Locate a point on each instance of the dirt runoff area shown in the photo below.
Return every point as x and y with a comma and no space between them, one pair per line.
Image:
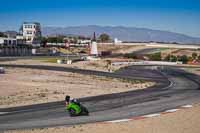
182,121
19,86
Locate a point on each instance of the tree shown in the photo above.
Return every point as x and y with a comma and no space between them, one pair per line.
104,37
58,39
184,59
43,41
167,58
190,58
156,57
130,55
81,37
194,55
52,39
173,58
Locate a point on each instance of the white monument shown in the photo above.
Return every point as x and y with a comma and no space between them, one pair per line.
93,47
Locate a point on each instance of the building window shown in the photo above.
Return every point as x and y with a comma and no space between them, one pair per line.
29,32
28,26
29,38
9,42
5,42
14,42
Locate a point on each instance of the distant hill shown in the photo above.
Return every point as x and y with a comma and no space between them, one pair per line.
123,33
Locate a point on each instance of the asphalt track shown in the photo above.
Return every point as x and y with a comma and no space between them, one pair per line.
174,88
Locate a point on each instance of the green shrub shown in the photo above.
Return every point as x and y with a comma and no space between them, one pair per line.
156,57
173,58
194,55
198,57
184,59
130,55
167,58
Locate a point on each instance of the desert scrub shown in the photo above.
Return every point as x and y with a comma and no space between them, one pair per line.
132,81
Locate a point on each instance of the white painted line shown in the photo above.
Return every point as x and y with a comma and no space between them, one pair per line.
187,106
1,113
172,110
151,115
117,121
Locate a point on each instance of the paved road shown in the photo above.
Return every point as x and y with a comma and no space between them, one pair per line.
174,88
138,75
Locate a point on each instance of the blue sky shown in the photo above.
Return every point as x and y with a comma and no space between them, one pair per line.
182,16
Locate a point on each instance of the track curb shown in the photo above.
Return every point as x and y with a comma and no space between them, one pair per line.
150,115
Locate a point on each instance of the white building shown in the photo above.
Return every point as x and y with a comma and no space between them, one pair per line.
31,32
82,41
6,41
116,41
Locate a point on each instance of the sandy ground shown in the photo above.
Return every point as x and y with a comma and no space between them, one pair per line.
116,49
27,86
121,49
183,121
168,51
185,52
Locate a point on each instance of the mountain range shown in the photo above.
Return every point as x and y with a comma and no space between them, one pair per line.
130,34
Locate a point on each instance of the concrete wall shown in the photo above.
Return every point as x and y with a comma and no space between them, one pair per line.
15,51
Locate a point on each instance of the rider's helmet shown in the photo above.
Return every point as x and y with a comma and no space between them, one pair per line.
67,98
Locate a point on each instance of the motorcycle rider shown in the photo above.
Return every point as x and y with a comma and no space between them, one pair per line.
74,107
67,101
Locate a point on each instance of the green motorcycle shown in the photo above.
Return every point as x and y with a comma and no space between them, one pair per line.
75,108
